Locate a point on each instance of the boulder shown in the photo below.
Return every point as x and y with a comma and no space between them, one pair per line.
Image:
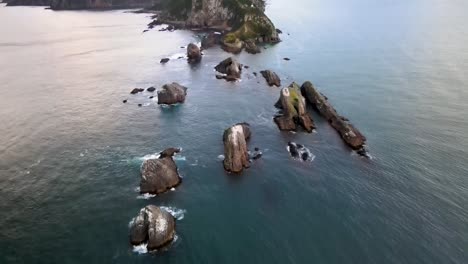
172,94
153,226
193,53
230,67
294,112
151,89
251,47
165,60
236,156
137,90
351,135
159,175
286,59
299,152
271,78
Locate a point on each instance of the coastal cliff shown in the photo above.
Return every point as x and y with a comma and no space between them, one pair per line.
245,20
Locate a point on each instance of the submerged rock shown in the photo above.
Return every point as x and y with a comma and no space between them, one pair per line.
231,68
298,151
351,135
137,90
193,53
160,175
271,78
151,89
236,156
165,60
172,94
294,112
153,226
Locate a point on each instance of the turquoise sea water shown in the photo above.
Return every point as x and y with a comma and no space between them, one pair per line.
70,151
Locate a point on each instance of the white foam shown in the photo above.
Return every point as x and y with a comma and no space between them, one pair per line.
146,196
137,189
301,151
221,157
179,214
151,156
179,158
141,249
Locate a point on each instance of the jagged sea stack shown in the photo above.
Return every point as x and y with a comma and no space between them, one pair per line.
172,93
236,156
293,110
160,175
351,135
153,226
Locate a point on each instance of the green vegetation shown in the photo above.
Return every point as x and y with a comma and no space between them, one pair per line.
177,8
230,38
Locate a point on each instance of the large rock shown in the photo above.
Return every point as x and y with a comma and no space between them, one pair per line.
351,135
173,93
231,68
153,226
236,156
294,112
271,78
193,53
159,175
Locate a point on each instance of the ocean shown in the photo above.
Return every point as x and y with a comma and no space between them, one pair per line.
71,151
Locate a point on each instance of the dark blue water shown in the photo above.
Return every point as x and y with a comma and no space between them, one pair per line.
70,151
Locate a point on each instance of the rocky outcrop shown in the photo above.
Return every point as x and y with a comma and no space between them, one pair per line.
351,135
293,112
271,78
159,175
245,18
251,47
173,93
153,226
231,69
234,47
236,156
193,53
